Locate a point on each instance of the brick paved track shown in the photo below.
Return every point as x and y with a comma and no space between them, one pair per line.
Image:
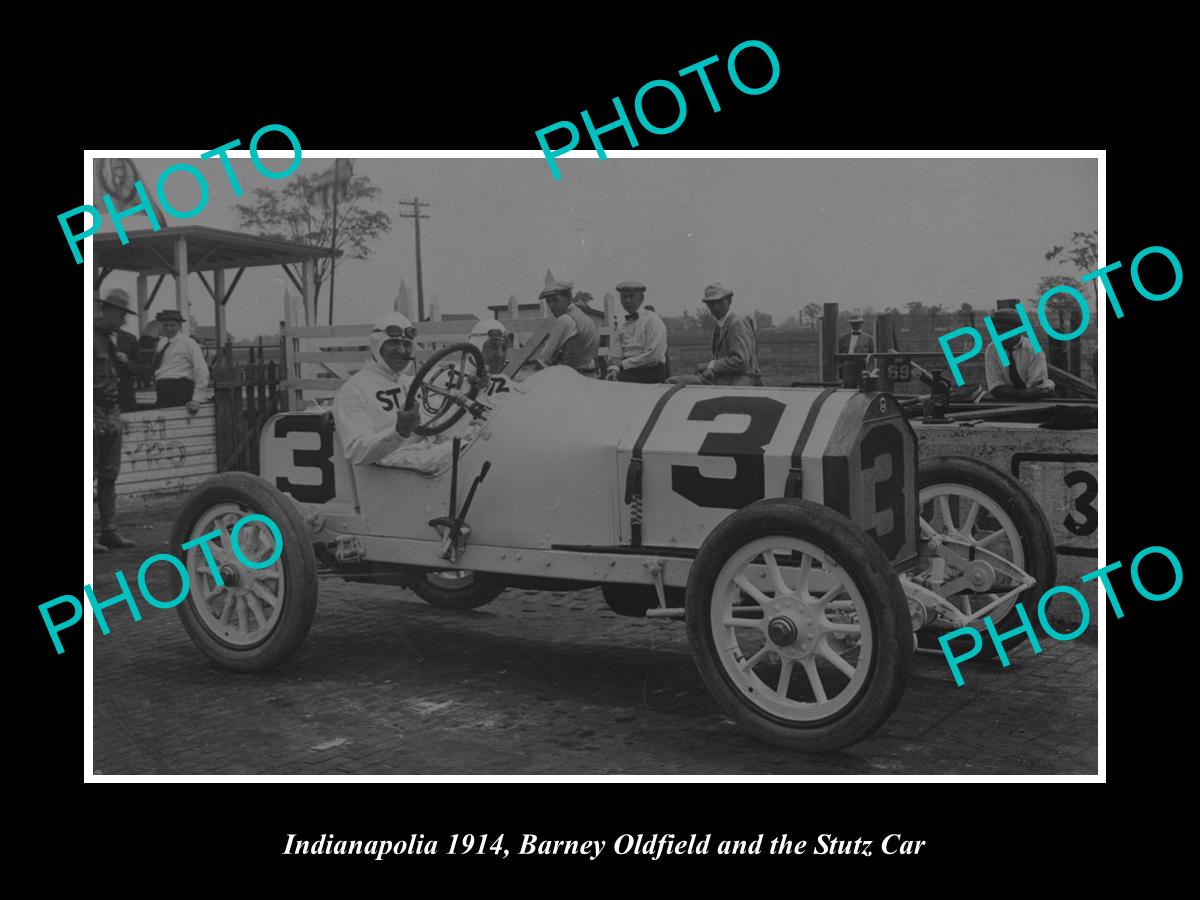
533,683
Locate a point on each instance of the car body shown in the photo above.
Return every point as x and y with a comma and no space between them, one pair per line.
789,527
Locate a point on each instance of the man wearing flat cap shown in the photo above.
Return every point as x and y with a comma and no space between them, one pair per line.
1026,377
575,341
734,345
641,339
854,341
180,372
106,417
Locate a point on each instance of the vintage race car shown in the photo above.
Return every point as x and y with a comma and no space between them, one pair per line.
789,527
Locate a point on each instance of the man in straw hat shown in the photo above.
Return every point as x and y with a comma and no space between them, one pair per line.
734,345
106,416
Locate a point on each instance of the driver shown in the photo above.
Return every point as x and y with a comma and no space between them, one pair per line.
369,411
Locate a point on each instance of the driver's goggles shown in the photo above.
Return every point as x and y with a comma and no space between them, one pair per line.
495,334
398,331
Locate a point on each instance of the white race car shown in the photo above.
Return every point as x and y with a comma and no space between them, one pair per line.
789,527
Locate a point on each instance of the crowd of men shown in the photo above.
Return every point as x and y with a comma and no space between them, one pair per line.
641,340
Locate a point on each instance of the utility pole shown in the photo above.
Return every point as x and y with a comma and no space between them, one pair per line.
416,215
333,243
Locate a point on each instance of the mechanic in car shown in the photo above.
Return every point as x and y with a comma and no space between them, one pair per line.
369,411
493,340
734,345
575,341
1026,377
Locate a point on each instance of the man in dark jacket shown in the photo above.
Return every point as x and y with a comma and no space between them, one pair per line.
106,418
734,345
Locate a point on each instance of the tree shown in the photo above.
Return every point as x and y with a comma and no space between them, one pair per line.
285,213
915,307
762,320
812,313
966,308
1081,255
935,310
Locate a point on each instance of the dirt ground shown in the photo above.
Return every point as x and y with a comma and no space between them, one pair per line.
533,683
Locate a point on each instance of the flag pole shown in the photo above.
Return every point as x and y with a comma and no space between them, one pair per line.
333,242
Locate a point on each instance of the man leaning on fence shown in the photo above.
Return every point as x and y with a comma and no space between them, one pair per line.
1026,377
106,417
180,372
734,345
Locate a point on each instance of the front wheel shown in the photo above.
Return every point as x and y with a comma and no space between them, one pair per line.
459,590
977,505
798,625
260,612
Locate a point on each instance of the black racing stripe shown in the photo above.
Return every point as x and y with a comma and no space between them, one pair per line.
810,422
633,476
653,419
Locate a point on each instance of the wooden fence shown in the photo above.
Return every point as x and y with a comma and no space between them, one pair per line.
244,396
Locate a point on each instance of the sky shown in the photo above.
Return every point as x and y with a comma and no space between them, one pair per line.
779,233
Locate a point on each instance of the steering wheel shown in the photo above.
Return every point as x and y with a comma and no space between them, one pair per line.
444,390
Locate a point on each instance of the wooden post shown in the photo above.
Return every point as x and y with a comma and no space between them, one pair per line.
142,295
883,344
306,286
1075,348
219,308
829,325
512,306
181,283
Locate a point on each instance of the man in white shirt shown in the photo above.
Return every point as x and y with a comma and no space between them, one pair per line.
1025,377
180,372
641,340
369,411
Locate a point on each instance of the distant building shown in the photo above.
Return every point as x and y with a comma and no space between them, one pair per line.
524,311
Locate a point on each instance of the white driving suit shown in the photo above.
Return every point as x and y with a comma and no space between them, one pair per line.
364,413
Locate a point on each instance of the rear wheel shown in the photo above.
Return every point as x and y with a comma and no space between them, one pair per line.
798,625
458,589
259,614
